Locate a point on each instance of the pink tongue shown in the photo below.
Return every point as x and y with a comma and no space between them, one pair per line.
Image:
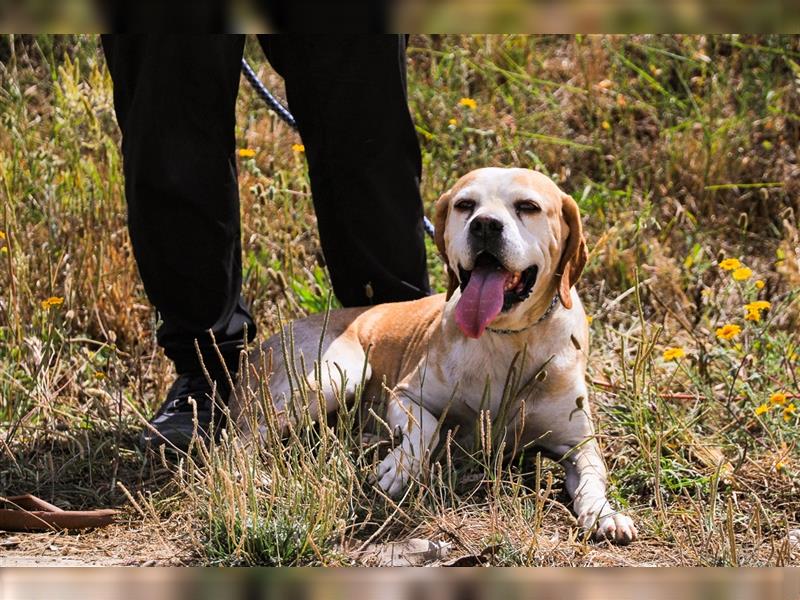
481,301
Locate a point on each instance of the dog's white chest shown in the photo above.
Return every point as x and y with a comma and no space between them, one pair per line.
473,377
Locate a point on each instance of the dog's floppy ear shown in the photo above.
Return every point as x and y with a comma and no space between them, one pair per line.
574,256
440,212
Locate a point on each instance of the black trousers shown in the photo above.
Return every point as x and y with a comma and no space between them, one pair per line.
175,98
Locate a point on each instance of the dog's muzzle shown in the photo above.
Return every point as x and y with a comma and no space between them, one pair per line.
489,289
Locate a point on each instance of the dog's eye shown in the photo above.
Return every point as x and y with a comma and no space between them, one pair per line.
526,207
465,204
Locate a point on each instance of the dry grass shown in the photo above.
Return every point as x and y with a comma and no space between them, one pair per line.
681,151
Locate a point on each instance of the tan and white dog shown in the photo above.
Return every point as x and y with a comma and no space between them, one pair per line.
514,247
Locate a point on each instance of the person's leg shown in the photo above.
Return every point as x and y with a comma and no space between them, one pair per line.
175,99
348,94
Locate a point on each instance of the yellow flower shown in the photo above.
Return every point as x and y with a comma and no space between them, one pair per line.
589,319
246,153
2,235
298,148
760,284
729,264
780,466
48,303
742,273
468,103
728,331
789,411
761,409
606,125
4,249
777,398
754,309
99,375
758,305
673,353
453,121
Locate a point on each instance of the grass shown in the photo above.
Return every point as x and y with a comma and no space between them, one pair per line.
681,152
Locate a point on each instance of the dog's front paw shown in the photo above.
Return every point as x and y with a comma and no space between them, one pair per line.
618,528
612,526
395,470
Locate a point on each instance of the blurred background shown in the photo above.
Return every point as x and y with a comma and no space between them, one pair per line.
539,584
442,16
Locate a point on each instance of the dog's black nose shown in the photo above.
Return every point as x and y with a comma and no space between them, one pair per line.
486,228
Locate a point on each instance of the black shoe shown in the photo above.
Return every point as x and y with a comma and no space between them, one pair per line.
173,423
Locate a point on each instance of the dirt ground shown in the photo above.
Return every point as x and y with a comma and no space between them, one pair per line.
135,544
118,545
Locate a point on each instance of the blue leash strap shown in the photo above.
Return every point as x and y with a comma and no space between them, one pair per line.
267,96
426,223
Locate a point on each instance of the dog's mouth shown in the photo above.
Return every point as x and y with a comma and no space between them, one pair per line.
489,289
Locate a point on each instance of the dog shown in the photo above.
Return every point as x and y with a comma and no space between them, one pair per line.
513,246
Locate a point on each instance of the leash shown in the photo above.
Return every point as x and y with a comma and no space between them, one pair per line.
287,117
270,100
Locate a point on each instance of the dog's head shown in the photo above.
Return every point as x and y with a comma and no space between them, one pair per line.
511,240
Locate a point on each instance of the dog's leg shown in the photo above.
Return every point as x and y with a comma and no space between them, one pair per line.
574,440
420,431
343,364
335,379
586,485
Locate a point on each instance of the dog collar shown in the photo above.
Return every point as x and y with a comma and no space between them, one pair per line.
546,314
